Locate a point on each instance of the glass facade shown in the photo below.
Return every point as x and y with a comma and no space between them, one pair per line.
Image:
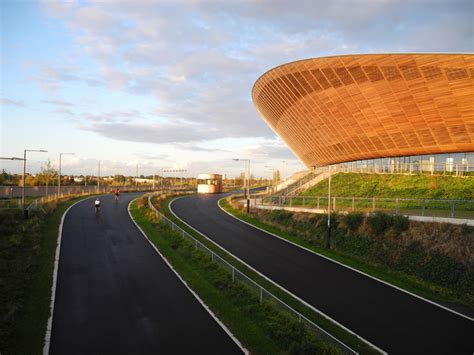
459,164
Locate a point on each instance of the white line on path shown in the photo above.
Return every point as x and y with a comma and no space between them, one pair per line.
49,327
349,267
278,285
229,333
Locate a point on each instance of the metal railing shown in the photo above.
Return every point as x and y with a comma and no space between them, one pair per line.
406,206
395,166
263,294
298,184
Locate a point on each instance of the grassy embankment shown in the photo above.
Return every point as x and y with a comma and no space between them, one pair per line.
27,250
256,345
419,257
380,186
395,186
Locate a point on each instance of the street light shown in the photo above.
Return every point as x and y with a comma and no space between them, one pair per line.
10,158
25,211
273,173
59,175
175,171
328,236
247,161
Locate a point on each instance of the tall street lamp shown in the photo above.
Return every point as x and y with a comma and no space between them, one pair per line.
59,175
11,158
25,211
98,176
247,167
328,236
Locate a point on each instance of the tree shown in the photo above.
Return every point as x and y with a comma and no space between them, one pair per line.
48,173
119,178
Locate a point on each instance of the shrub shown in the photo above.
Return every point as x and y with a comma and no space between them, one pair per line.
379,222
353,220
400,223
282,217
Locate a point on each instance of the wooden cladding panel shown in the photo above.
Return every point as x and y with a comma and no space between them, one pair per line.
346,108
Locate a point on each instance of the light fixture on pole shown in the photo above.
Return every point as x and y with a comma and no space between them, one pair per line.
273,173
59,175
328,236
25,211
247,167
174,171
11,158
98,177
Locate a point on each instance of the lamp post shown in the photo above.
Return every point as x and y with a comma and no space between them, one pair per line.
11,158
25,211
328,236
247,167
98,176
59,175
174,171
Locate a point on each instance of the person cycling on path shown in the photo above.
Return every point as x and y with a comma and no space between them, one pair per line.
97,205
117,193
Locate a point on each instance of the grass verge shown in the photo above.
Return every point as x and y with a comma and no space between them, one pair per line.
261,328
349,339
409,283
27,251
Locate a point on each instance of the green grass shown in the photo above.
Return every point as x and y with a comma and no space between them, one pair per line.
321,321
27,251
395,186
261,328
410,283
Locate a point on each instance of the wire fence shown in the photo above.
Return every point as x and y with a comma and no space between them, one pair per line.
404,206
263,294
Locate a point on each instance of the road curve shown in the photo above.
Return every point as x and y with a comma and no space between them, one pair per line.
116,295
391,319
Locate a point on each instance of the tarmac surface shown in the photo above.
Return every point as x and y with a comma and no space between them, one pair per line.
393,320
116,295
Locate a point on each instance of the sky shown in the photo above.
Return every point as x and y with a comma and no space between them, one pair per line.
167,84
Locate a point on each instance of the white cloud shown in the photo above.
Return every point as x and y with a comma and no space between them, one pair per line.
196,61
5,101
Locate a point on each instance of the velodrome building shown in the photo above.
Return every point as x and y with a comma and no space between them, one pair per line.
389,112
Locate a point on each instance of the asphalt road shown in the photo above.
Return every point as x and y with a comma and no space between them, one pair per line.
391,319
116,295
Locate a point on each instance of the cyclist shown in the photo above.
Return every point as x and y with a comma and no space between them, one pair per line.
117,193
97,205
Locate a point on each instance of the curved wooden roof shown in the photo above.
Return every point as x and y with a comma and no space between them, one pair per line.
346,108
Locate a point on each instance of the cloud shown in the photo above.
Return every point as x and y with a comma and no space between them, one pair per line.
114,116
269,150
64,112
5,101
197,148
198,60
158,133
57,102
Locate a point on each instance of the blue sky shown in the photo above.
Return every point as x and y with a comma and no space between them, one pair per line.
167,84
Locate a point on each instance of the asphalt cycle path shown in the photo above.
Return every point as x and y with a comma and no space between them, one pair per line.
393,320
116,295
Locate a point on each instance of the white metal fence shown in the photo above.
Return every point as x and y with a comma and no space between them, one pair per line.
263,294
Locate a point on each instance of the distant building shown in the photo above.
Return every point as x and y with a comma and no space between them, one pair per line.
209,183
144,180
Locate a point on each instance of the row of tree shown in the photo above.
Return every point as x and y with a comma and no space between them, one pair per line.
48,175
